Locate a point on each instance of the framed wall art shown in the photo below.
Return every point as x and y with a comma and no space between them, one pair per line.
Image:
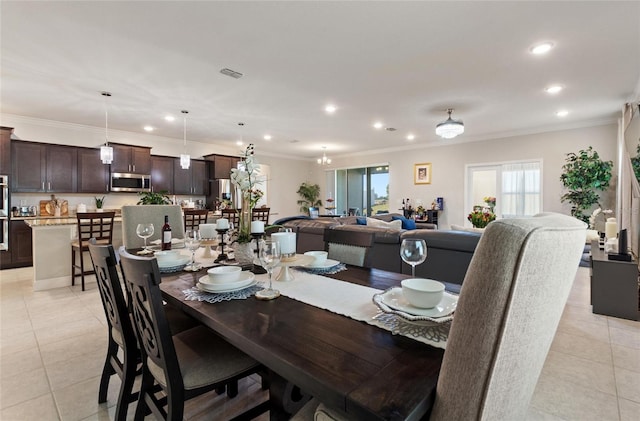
422,173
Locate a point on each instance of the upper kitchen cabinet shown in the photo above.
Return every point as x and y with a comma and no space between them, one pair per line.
93,175
41,167
222,165
5,150
131,159
162,174
194,180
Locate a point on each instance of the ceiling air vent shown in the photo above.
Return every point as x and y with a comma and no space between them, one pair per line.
390,129
232,73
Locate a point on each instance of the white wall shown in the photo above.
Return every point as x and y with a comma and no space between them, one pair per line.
448,167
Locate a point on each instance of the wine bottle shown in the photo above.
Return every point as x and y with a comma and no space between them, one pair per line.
166,234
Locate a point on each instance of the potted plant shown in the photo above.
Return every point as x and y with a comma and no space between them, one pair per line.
154,198
583,175
99,203
309,196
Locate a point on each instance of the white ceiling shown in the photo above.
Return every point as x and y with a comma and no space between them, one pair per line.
402,63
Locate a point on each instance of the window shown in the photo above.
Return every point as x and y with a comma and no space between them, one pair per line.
360,191
517,187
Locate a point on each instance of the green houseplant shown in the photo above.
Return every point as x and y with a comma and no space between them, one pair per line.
154,198
635,162
584,174
99,202
309,196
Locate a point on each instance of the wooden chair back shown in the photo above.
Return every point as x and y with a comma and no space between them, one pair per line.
194,217
232,215
98,225
260,214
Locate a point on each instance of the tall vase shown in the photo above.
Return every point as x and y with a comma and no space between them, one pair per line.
244,222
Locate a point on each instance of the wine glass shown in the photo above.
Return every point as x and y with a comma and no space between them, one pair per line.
145,231
413,251
269,258
192,242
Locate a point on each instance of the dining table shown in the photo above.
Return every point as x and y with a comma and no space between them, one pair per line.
357,367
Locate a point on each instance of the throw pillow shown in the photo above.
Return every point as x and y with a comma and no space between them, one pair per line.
461,228
393,225
407,224
361,220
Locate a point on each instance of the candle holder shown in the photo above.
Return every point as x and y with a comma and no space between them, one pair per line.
222,256
257,269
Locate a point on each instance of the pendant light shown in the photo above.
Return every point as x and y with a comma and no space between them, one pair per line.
450,128
106,151
324,160
185,159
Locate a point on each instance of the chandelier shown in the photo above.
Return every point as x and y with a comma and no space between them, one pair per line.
324,160
106,151
185,159
450,128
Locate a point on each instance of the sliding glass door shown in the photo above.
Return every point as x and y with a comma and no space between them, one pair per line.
360,191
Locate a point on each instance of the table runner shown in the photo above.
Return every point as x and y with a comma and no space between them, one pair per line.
356,302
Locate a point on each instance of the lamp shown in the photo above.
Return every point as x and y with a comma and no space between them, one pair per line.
185,159
324,160
450,128
106,151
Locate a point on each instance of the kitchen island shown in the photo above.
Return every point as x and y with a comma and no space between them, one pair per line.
52,250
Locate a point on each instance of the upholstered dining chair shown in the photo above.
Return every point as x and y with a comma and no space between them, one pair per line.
98,225
194,217
184,366
260,214
132,215
510,305
349,247
232,215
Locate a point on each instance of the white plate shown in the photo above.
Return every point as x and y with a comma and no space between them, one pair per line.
203,287
246,279
329,263
182,260
395,300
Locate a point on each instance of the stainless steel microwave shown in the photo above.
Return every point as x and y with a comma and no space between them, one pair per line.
126,182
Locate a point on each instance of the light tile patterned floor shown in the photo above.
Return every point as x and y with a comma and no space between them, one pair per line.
52,346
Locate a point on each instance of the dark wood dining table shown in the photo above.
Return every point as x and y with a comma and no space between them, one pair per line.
364,370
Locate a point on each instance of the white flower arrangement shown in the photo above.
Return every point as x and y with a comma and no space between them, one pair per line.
247,178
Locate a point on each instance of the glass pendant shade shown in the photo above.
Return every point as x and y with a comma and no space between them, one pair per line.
185,161
450,128
106,154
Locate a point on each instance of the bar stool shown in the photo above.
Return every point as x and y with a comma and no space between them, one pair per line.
194,217
98,225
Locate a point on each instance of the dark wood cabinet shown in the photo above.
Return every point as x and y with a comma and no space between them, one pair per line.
5,150
93,175
41,167
194,180
222,166
131,159
20,252
162,174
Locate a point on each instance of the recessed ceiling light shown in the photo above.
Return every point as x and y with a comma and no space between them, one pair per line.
148,128
239,142
169,118
410,136
553,89
562,113
267,137
330,109
378,125
542,48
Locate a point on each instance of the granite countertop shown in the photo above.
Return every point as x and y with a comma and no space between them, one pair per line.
39,221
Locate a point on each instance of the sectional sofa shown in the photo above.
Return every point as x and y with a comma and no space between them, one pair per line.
448,252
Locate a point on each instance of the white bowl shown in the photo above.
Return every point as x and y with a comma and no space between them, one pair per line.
422,293
224,274
319,257
164,256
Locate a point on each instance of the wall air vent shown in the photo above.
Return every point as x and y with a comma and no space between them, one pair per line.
232,73
390,129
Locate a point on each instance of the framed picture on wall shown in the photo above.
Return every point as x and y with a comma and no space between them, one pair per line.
422,173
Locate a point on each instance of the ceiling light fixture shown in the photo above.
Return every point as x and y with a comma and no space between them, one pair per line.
410,136
450,128
562,113
378,125
553,89
542,48
148,128
106,151
330,109
240,142
169,118
324,160
185,159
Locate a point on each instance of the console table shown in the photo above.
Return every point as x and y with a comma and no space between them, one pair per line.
614,285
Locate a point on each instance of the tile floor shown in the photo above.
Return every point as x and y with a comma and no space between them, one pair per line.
52,346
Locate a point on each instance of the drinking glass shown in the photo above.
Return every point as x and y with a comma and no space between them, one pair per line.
269,258
413,251
192,242
145,231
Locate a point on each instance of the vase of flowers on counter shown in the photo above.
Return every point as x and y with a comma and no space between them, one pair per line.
99,203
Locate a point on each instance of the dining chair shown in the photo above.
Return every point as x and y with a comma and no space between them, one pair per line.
261,214
232,215
349,247
184,366
98,225
509,308
194,217
132,215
